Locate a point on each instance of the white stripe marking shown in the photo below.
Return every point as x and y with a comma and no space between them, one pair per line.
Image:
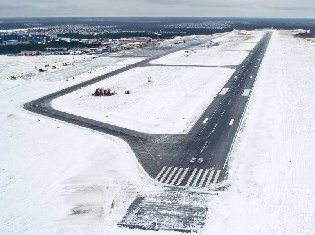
231,122
191,177
165,174
176,176
171,175
203,148
205,121
182,177
210,177
197,177
246,92
224,91
160,173
216,176
204,177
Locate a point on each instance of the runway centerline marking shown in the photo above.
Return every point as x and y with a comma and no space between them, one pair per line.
231,122
205,121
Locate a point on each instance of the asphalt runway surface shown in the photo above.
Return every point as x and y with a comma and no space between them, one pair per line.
198,159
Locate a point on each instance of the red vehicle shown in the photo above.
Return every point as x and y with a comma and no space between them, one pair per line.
104,92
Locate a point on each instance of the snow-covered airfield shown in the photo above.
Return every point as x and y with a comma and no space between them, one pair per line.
50,170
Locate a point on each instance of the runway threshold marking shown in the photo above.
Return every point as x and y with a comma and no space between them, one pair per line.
216,177
160,173
203,148
165,174
204,177
209,178
171,175
197,178
191,177
246,92
182,177
177,175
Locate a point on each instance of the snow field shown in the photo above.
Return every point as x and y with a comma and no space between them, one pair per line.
51,170
45,163
175,98
272,170
232,50
76,67
170,103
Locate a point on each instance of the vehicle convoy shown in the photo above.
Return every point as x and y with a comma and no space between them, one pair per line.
104,92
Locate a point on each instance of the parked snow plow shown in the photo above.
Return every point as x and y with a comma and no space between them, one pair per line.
104,92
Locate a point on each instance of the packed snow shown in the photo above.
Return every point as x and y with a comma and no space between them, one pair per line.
43,162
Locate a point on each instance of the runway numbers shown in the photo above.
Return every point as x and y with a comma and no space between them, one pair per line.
198,160
190,177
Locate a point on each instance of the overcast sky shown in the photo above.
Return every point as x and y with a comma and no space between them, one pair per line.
207,8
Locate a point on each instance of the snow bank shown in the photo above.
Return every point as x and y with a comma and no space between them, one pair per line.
272,171
50,170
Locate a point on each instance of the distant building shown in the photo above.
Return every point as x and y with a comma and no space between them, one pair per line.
57,51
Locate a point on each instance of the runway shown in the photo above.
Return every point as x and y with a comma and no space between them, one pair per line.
197,160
